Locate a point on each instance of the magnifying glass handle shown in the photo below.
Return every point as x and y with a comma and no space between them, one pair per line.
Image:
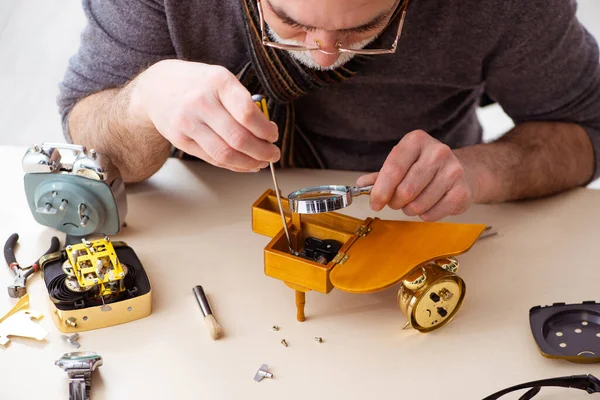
358,190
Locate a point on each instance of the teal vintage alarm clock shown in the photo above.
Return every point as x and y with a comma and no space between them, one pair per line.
74,190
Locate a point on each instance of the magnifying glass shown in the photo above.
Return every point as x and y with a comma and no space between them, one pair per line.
325,198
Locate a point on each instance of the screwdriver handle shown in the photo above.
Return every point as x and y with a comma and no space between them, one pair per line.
261,102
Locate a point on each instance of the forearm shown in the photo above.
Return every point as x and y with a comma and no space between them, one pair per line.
104,121
532,160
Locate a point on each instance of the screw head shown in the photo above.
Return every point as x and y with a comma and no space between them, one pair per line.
275,328
262,373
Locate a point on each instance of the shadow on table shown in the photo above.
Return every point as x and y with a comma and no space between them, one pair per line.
344,304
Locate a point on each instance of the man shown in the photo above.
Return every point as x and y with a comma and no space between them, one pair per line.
151,75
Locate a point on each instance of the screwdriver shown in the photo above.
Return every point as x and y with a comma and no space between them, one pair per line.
261,102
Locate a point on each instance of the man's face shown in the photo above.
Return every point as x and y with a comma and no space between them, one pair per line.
353,23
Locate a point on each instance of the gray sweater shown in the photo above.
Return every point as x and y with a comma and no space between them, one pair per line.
533,57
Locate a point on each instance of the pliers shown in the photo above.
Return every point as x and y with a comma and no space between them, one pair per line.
18,289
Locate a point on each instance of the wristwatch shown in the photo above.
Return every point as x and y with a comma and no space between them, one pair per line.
79,365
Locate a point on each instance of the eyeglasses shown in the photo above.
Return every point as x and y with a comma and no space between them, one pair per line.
340,49
589,383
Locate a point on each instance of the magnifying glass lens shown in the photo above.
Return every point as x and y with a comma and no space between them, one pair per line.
318,195
318,199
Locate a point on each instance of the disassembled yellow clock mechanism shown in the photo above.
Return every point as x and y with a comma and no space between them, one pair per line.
94,266
95,284
329,250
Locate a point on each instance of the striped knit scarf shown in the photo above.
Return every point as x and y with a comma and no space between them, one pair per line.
282,80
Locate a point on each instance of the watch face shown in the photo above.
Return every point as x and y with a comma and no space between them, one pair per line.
79,360
81,356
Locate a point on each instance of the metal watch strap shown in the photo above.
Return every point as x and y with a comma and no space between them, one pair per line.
80,383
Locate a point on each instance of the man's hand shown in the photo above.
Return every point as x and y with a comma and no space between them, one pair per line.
205,111
422,177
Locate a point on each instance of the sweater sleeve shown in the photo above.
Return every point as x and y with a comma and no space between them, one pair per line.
120,40
545,67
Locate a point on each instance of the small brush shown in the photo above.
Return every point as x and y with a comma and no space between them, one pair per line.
215,330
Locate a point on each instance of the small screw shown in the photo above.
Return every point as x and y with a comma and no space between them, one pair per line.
71,321
283,342
275,328
72,340
262,373
318,339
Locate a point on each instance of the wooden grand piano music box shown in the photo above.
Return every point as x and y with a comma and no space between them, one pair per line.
334,250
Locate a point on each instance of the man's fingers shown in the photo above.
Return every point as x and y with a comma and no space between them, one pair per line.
395,167
240,138
436,171
236,99
450,178
455,201
429,197
419,176
192,148
422,177
367,180
221,154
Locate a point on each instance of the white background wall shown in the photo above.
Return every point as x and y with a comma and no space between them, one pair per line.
37,37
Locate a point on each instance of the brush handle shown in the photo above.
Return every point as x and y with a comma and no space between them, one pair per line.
202,300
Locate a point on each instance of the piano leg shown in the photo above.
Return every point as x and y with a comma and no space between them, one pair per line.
300,301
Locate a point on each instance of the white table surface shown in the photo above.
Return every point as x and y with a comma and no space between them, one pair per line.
190,224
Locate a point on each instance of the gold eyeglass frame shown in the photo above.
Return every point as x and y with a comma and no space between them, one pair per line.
281,46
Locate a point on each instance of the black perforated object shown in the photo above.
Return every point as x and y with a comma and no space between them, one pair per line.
567,331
